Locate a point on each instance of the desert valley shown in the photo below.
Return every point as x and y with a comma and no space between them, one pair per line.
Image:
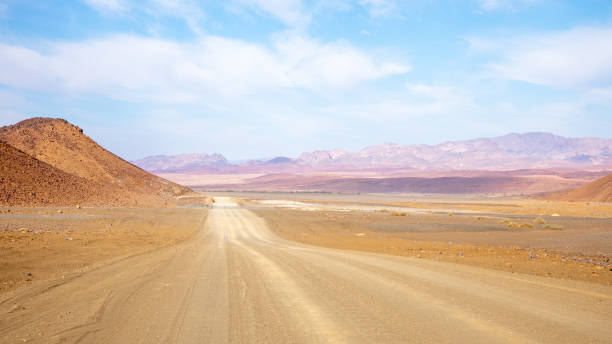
90,241
305,171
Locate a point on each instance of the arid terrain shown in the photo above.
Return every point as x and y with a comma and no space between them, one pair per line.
235,280
599,190
523,236
305,171
40,244
518,183
47,161
94,249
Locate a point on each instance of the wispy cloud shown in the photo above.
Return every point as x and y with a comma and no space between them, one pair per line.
291,12
134,67
580,57
187,10
379,8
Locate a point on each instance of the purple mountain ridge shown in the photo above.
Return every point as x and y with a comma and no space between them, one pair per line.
512,151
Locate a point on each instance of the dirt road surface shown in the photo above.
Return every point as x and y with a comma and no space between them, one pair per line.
236,282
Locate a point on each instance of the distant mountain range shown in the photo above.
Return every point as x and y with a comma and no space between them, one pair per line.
509,152
180,162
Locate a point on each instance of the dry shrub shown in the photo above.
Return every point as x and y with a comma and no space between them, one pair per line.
509,223
526,225
539,221
553,227
395,213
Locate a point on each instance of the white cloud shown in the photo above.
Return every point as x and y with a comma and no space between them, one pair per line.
379,8
187,10
581,57
137,68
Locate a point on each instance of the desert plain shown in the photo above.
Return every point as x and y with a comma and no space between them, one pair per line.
309,267
94,249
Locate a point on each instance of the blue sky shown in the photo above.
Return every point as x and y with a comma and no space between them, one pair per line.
261,78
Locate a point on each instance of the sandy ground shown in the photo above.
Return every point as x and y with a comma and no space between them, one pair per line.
38,244
427,203
555,239
235,281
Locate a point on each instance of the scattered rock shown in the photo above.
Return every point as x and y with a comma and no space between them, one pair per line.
69,239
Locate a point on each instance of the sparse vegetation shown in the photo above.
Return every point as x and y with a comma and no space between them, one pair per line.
512,224
553,227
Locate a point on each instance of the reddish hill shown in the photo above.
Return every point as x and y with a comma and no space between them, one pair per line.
597,191
26,181
63,146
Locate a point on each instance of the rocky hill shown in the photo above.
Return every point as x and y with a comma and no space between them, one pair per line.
599,190
78,160
26,181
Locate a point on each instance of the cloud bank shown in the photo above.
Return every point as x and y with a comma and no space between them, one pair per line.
135,68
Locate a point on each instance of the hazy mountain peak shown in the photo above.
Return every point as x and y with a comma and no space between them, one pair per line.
511,151
164,163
